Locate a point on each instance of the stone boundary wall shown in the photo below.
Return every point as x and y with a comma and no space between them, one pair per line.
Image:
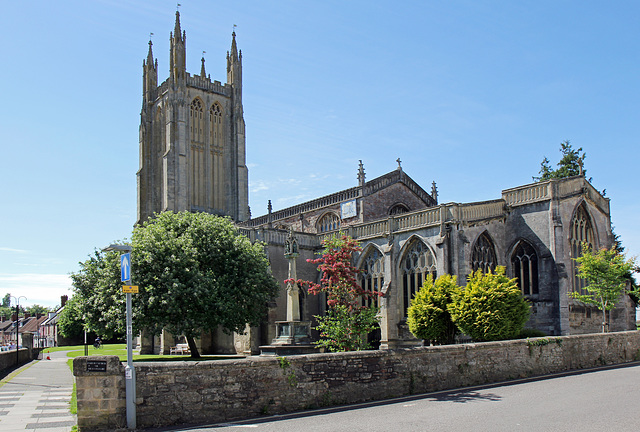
216,391
8,358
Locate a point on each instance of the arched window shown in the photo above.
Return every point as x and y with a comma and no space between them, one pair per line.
196,121
580,233
418,263
483,255
196,160
398,209
372,276
524,262
329,222
216,132
216,160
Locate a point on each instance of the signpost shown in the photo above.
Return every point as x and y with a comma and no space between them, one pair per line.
129,370
125,267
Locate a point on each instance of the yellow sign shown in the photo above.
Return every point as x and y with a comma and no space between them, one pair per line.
130,289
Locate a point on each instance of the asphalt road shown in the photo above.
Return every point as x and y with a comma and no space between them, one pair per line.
604,400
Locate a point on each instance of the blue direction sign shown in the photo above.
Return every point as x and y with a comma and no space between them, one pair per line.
125,267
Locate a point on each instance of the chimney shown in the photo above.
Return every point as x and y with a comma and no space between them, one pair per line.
27,315
63,300
14,317
2,319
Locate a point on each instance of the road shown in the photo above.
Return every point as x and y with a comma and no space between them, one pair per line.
604,400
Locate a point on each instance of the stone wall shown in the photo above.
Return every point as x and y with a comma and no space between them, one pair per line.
8,358
210,392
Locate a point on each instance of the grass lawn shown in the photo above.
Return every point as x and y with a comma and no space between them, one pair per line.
121,351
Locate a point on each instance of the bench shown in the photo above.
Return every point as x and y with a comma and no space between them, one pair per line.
180,349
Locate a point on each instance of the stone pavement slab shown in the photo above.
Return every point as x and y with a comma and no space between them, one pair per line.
36,397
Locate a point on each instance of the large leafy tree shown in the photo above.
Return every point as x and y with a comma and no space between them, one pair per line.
98,296
490,307
607,272
428,316
349,318
571,164
196,271
70,321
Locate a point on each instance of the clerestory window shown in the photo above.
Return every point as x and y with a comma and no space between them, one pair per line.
329,222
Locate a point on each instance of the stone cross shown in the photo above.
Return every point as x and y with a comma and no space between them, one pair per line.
293,290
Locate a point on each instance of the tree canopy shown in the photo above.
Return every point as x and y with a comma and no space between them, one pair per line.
571,164
606,272
195,272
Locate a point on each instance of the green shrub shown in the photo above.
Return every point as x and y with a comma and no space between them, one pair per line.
428,317
490,307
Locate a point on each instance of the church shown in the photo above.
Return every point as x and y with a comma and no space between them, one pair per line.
192,158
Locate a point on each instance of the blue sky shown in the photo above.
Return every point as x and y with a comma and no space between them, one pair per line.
470,94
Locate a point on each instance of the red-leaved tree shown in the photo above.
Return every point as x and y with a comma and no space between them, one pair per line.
348,319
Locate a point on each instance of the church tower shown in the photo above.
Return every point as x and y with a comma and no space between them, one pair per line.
192,138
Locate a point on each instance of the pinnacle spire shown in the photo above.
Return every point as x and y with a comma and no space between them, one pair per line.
234,47
150,54
176,31
202,72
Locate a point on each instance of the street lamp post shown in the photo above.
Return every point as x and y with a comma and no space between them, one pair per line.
129,370
17,299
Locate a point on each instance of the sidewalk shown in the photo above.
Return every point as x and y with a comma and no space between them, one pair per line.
36,397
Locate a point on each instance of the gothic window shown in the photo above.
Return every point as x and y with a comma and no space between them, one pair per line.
328,222
216,141
372,276
196,121
197,162
524,262
483,255
215,125
580,233
418,263
398,209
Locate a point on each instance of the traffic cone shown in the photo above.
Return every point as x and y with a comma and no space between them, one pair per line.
48,358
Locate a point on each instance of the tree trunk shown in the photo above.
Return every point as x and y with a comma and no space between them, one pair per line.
192,347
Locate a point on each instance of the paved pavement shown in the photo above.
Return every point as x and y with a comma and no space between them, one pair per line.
36,397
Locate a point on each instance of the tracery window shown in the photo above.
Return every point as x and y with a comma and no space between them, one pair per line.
196,160
418,263
215,125
483,255
329,222
524,262
196,121
580,233
215,154
398,209
372,276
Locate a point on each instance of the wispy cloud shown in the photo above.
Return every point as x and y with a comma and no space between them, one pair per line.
8,249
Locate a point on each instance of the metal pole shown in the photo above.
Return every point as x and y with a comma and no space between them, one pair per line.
17,329
130,372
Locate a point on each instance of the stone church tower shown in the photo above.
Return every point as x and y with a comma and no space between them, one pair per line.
192,138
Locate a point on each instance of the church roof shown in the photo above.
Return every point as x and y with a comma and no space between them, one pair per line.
370,187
